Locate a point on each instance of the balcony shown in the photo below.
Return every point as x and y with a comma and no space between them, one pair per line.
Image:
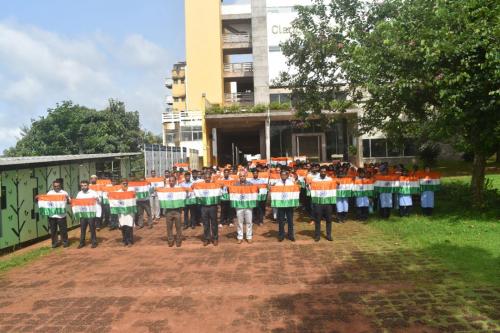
235,43
178,90
238,70
179,74
245,98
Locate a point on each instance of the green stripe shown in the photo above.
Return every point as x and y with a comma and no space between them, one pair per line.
225,196
366,193
207,201
51,211
409,190
344,193
142,195
262,197
244,204
285,203
386,189
105,201
172,204
124,210
429,188
85,215
191,201
324,200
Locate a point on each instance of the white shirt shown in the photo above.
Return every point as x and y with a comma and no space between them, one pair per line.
91,194
58,216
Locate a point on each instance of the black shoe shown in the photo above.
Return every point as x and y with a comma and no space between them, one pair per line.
280,239
292,239
192,227
94,245
80,246
329,238
170,244
185,227
125,244
205,242
178,244
316,239
66,245
55,245
140,226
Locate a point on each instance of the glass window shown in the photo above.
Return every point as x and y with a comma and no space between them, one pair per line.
274,98
379,148
410,148
366,148
393,150
285,98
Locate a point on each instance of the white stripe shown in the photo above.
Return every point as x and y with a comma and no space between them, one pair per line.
51,204
243,196
122,202
171,195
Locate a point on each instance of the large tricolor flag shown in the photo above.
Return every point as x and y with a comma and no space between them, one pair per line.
103,182
263,189
84,208
243,196
224,184
190,197
344,188
430,181
106,190
97,188
285,196
409,185
141,189
386,184
156,182
172,197
207,193
363,188
323,193
122,202
52,204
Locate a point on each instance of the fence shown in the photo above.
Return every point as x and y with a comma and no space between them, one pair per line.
161,158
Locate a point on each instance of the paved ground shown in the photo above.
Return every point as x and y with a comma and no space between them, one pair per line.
362,282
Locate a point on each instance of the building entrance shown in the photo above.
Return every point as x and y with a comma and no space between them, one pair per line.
232,145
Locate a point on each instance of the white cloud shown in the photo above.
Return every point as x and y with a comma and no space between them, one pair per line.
40,68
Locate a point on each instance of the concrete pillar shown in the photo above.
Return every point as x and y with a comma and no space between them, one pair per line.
268,140
262,141
259,52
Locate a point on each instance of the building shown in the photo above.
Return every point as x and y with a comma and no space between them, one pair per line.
233,59
21,178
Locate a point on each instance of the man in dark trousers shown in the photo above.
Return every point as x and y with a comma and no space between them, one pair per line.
91,222
173,217
59,220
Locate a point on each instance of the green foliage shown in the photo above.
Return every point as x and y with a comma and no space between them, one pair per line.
428,153
258,108
17,260
280,106
73,129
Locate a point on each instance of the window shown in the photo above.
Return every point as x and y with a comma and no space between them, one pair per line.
366,148
379,148
191,133
280,98
383,148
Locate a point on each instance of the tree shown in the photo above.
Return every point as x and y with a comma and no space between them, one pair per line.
420,68
75,129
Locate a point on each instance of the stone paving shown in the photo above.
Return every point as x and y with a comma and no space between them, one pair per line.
361,282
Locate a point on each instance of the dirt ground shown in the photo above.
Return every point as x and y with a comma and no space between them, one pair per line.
361,282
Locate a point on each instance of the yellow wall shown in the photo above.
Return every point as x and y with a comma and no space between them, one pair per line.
203,52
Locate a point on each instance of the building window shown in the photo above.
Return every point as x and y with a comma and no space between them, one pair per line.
379,147
280,98
191,133
383,148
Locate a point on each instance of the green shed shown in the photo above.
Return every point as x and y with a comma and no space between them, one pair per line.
21,178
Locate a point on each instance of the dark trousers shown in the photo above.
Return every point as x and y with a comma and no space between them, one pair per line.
288,214
209,219
128,235
60,223
385,213
173,217
259,212
404,211
362,213
143,205
427,211
226,212
321,211
190,216
197,215
91,223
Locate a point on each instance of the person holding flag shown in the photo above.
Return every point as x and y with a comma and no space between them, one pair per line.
190,207
85,209
261,180
385,186
362,190
100,222
408,186
154,203
322,197
172,200
53,205
208,196
344,190
226,211
285,197
429,183
124,204
142,192
243,197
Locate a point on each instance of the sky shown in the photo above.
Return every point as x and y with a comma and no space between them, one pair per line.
86,51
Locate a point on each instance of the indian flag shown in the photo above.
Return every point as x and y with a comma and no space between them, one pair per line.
409,185
172,197
430,182
363,188
207,193
225,183
285,196
52,204
122,202
262,192
96,188
243,196
103,182
190,197
344,188
386,184
141,189
106,190
156,182
84,208
323,193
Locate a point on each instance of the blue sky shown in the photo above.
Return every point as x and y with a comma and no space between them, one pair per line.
86,51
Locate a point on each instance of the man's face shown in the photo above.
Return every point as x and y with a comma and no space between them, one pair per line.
172,181
284,175
207,177
322,173
84,187
187,178
195,174
167,174
124,186
243,178
56,186
226,173
153,173
255,175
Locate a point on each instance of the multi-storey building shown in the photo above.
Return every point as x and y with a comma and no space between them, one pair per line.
233,59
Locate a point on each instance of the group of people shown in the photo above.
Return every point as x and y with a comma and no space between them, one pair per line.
216,197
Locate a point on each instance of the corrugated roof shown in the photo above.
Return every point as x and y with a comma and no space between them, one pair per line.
11,161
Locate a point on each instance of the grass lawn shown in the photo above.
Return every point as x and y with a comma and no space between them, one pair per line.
465,240
19,259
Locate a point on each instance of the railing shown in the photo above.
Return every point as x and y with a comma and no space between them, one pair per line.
171,116
239,67
231,38
239,98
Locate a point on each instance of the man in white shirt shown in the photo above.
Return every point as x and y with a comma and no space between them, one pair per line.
58,220
86,193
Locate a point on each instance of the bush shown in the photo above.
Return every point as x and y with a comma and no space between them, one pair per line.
259,108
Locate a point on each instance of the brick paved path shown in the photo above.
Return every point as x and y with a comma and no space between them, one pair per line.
362,282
